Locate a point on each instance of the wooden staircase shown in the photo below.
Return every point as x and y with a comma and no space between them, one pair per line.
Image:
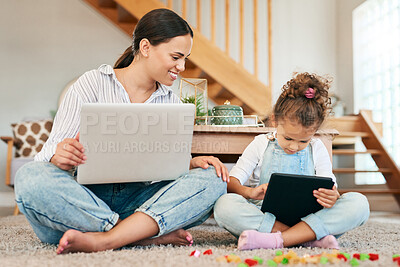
361,126
227,79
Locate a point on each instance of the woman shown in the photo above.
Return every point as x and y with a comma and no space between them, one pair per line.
101,217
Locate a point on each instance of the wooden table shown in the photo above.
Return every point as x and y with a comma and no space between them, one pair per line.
228,143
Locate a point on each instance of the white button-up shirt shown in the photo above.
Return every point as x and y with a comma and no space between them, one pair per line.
95,86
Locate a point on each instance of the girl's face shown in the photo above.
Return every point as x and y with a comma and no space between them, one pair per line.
166,60
292,136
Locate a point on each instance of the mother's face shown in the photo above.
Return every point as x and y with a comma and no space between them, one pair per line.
167,60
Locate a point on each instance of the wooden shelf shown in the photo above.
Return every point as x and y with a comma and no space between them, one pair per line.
353,152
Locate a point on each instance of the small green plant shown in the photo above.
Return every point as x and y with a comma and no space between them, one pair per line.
199,104
200,110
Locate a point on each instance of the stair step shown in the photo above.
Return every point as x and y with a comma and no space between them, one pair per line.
112,14
352,170
107,3
371,191
125,16
353,134
353,152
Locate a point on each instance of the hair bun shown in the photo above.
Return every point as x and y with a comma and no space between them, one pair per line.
305,97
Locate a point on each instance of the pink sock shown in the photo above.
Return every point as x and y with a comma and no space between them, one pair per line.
252,239
328,241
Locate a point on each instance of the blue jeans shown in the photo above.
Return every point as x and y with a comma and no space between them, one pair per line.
236,214
53,202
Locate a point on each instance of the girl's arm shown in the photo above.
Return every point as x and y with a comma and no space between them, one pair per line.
234,186
249,160
326,197
323,167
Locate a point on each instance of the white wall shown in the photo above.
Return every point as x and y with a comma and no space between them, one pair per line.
304,39
43,45
344,67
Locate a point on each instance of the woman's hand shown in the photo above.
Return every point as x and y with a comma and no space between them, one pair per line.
69,153
205,161
326,197
258,192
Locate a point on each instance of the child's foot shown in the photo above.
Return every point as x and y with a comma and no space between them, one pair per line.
75,241
252,239
178,237
328,241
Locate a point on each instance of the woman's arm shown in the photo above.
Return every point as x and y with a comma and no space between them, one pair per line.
205,161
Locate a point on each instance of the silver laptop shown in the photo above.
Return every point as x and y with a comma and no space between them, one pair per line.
135,142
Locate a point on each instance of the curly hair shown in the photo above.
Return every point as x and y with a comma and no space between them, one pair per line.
295,106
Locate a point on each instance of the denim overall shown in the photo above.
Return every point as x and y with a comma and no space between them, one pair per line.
236,214
277,160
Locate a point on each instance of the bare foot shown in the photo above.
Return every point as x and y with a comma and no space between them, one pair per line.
75,241
178,237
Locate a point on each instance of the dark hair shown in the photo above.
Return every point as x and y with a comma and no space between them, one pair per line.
295,106
158,26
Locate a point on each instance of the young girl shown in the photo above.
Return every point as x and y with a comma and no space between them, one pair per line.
297,115
100,217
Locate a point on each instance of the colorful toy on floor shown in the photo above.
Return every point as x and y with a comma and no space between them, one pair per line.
291,257
354,262
195,253
208,252
396,258
229,258
251,262
260,261
373,257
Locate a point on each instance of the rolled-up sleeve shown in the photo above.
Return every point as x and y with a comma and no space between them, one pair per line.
249,160
322,161
66,124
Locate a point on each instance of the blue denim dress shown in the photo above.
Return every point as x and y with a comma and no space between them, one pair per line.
237,214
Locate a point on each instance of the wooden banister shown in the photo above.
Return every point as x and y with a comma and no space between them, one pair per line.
227,27
211,61
241,31
255,34
198,14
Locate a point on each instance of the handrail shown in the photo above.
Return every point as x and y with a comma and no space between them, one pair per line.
255,41
241,31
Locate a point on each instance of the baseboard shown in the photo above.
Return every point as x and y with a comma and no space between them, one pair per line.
383,203
7,199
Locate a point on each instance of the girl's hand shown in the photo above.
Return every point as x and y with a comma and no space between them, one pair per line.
258,192
69,153
326,197
205,161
